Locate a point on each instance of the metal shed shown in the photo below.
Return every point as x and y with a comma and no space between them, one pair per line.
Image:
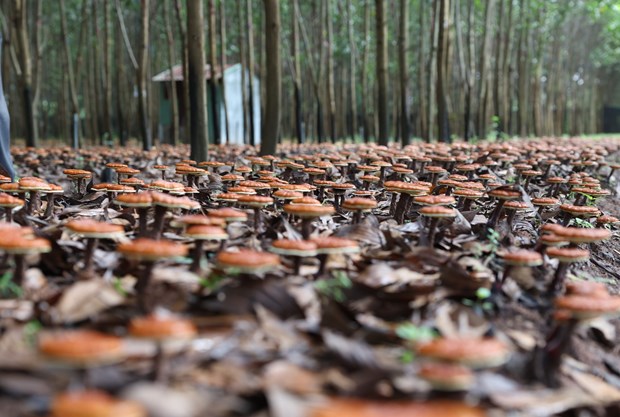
234,102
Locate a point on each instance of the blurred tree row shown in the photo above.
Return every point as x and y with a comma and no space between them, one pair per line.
329,69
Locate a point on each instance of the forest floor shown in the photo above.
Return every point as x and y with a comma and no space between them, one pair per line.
285,343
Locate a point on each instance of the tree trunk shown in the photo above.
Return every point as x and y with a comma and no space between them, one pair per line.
442,111
107,74
222,18
143,106
251,65
382,74
174,104
403,47
363,73
274,78
422,104
21,26
331,99
297,74
213,82
185,83
244,70
352,73
120,91
197,87
68,69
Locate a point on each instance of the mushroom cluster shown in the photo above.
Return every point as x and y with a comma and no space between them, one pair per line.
388,273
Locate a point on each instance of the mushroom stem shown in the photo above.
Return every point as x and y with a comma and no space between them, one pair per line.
20,269
142,220
496,213
197,255
142,285
357,217
91,245
499,283
158,224
467,204
306,228
8,211
401,208
159,363
32,203
49,210
566,218
322,257
510,219
431,231
558,279
393,203
547,361
296,264
257,221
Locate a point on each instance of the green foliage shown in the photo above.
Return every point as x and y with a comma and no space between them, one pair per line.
31,330
7,287
413,333
212,282
581,223
334,288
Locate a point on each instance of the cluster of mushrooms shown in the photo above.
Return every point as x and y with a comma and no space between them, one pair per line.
300,213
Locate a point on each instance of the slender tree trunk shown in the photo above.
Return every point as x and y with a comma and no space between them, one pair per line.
442,111
143,105
21,26
197,88
274,78
68,69
363,74
222,18
297,74
382,73
422,105
120,91
331,99
244,71
352,72
251,65
107,73
213,82
174,104
403,66
185,83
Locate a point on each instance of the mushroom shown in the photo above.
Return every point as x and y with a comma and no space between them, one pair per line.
247,262
33,186
502,195
359,205
92,231
80,349
571,211
78,176
51,199
447,377
19,245
473,352
307,213
255,202
93,404
162,204
435,213
332,245
149,251
139,201
517,259
582,302
513,207
10,203
200,234
162,169
161,329
565,256
297,249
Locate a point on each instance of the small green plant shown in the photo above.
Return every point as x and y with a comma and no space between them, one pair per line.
413,333
118,286
481,303
493,237
7,287
212,281
334,288
584,224
31,329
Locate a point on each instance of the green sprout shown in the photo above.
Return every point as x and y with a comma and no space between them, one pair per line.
413,333
8,288
334,288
